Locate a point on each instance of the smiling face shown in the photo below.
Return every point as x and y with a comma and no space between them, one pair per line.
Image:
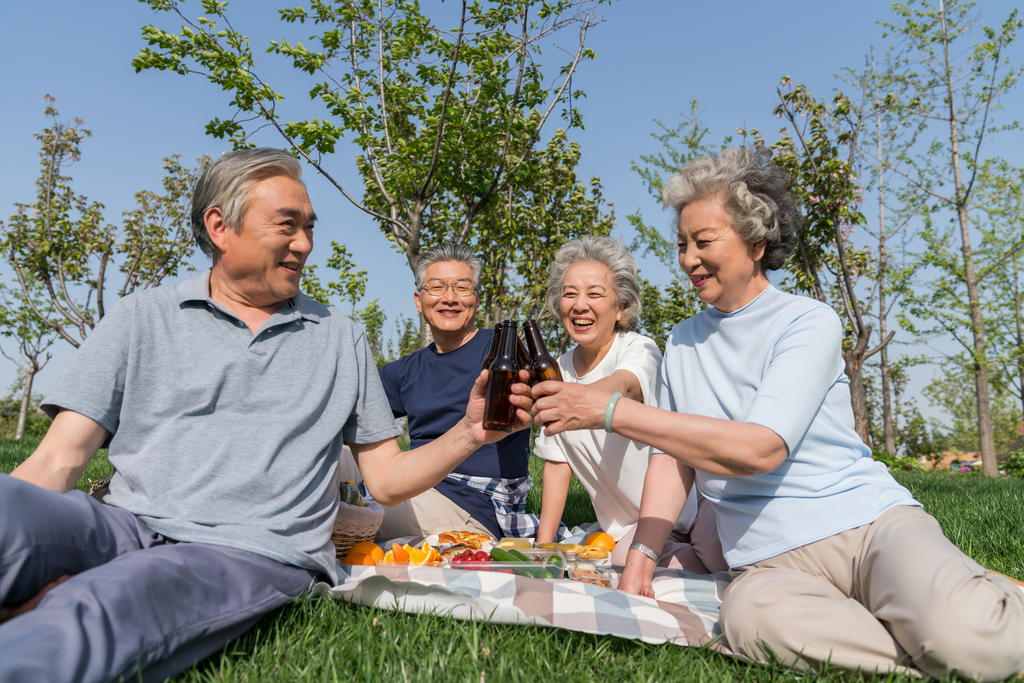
448,313
589,306
725,271
261,263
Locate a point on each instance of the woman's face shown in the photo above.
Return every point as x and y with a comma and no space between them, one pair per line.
589,306
725,272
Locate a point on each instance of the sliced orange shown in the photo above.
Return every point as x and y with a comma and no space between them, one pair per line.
601,540
422,556
389,557
401,553
359,558
368,548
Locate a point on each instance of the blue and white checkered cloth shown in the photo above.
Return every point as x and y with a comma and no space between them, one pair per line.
508,496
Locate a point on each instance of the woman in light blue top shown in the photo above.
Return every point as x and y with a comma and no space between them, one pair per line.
833,562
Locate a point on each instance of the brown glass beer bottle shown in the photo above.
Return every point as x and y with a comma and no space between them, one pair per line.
495,347
523,358
499,413
522,355
541,363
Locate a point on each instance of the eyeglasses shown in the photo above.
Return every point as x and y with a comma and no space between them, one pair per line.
462,288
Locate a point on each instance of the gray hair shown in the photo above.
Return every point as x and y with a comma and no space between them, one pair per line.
610,253
448,251
228,183
756,195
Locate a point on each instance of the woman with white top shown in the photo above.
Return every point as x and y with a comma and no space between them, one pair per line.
834,564
592,288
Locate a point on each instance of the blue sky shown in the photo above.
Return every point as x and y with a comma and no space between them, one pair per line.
653,58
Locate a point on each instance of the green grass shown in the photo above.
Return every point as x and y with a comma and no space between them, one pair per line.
319,640
13,452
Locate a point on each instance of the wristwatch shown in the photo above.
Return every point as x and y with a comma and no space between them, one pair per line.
646,550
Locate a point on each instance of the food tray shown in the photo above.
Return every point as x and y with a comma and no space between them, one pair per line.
539,568
588,572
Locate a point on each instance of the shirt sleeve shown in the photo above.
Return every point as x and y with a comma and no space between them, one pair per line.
547,448
391,379
805,364
640,356
666,401
371,418
92,384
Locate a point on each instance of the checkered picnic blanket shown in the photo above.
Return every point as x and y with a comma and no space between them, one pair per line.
685,611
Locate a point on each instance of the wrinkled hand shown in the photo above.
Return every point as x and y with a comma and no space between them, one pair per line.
520,398
566,406
636,581
9,612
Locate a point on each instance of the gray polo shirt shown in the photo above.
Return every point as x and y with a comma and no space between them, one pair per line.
221,436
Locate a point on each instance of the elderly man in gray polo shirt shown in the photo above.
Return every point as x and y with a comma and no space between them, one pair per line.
225,400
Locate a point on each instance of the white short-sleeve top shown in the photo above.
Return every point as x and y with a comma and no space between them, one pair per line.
612,467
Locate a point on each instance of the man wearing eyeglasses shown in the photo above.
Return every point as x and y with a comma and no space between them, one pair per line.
487,492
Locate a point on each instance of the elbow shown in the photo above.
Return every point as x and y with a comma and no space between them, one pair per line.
389,501
767,462
383,497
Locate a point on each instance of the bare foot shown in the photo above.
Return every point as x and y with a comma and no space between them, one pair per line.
9,611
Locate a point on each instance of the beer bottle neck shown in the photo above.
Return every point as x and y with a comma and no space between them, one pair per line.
508,340
533,340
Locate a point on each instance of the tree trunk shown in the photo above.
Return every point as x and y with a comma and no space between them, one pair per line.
1020,332
26,400
858,395
989,466
888,429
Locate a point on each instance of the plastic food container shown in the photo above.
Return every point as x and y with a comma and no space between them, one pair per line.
594,574
542,564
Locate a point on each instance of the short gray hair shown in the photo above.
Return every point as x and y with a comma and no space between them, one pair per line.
448,251
756,195
227,185
610,253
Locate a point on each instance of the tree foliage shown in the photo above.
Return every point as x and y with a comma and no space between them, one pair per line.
445,121
62,251
956,89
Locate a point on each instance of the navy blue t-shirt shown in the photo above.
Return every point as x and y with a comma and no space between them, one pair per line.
432,389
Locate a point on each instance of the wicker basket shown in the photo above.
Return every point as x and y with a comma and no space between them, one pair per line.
355,525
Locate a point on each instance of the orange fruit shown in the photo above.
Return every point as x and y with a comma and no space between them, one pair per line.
401,553
389,557
359,558
601,540
426,555
368,548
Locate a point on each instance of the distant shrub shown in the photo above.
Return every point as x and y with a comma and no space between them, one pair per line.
1014,464
897,462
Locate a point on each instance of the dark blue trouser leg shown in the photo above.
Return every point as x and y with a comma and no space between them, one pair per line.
153,606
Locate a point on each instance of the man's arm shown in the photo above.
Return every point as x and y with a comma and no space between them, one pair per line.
66,449
393,475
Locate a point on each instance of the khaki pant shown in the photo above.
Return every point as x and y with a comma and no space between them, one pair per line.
699,551
894,595
428,513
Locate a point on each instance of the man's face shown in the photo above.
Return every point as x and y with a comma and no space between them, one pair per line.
447,312
264,259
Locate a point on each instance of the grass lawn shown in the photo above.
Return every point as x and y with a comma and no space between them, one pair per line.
319,640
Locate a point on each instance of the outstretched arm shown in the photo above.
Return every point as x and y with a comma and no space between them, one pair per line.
66,449
393,475
557,477
666,486
725,448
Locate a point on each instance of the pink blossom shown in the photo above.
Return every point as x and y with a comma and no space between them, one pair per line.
814,199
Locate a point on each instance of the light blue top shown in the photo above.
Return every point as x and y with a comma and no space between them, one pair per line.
777,362
222,436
